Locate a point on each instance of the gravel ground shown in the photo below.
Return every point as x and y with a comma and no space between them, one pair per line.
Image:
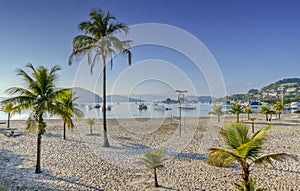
81,163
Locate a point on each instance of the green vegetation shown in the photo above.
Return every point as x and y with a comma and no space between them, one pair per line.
38,95
248,111
244,150
91,122
278,107
252,119
9,108
155,161
237,109
99,41
67,109
266,110
217,110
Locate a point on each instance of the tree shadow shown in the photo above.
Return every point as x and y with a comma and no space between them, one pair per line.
168,188
14,177
52,135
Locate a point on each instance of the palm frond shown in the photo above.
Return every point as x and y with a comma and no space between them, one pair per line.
267,159
221,157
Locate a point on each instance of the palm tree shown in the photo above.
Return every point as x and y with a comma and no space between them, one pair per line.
91,122
155,161
252,119
278,107
68,109
265,110
10,110
248,111
217,110
99,41
237,109
38,95
244,150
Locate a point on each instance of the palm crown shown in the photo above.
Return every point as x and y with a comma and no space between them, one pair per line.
217,110
242,149
237,109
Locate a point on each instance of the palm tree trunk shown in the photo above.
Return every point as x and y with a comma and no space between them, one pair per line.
64,130
252,126
8,120
41,130
38,160
245,176
267,117
106,143
219,118
248,116
91,130
238,117
279,115
155,178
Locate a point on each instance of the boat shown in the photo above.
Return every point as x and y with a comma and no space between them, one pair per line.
88,107
187,106
295,105
142,106
157,106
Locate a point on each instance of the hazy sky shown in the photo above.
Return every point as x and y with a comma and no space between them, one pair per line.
253,42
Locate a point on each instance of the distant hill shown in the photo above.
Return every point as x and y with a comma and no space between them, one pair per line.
202,99
288,82
287,90
86,96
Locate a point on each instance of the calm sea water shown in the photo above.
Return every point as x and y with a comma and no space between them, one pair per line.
130,110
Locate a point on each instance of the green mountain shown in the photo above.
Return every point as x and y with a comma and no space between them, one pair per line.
285,83
287,90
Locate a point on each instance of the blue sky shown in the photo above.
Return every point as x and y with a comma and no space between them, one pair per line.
254,42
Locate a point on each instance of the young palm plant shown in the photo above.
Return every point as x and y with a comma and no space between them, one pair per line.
237,109
10,110
155,161
99,41
248,111
278,107
244,150
217,110
265,110
68,109
91,122
39,96
252,119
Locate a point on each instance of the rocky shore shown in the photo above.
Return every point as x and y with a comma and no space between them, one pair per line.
81,163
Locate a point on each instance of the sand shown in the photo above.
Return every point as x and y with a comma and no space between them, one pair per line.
81,163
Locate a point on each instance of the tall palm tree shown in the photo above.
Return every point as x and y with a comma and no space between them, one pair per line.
155,161
278,107
244,150
217,110
237,109
248,111
10,110
265,110
68,109
39,96
99,41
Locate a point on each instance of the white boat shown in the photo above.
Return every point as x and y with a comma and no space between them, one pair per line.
295,105
187,106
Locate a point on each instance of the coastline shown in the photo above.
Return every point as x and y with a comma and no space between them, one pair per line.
80,163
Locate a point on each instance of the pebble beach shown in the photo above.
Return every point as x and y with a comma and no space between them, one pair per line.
81,163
